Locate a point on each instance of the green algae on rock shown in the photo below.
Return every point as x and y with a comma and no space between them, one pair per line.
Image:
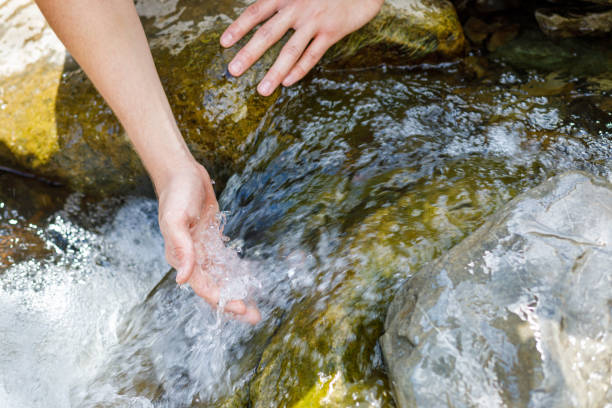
518,313
405,31
57,125
62,128
325,351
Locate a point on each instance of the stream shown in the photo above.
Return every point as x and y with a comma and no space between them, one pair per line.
354,179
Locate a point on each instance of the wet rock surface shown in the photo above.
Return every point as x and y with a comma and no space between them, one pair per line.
58,125
518,314
578,57
24,206
404,31
572,23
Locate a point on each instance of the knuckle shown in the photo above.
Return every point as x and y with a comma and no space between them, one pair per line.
253,10
292,51
264,32
312,57
273,75
234,30
171,220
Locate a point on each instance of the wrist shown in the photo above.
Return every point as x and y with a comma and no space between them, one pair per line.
170,167
163,153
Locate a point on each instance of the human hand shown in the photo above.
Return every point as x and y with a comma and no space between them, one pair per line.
187,210
324,22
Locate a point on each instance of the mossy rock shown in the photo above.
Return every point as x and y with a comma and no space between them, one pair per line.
325,353
57,125
405,31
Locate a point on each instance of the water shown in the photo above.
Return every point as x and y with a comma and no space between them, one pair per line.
354,180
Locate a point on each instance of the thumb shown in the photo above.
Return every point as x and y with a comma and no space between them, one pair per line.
180,252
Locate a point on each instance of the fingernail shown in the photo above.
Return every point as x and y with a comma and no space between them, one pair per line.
226,39
265,87
236,67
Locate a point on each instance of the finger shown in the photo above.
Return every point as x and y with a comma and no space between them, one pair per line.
266,36
252,15
251,316
235,306
180,251
209,291
287,58
309,59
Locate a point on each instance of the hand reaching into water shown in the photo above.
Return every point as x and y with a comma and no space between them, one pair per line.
107,40
187,217
318,24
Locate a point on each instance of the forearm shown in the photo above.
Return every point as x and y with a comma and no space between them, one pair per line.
107,40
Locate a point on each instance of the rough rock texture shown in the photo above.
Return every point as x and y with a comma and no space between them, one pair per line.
55,122
560,24
518,314
404,31
325,351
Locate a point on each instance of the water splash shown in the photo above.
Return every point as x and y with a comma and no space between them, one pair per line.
221,267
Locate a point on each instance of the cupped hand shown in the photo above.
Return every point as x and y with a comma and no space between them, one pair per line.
318,24
187,204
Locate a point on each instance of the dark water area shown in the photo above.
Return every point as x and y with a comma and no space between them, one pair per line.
354,180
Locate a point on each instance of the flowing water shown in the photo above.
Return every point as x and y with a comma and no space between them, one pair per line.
355,179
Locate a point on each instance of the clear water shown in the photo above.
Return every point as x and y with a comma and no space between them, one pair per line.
355,179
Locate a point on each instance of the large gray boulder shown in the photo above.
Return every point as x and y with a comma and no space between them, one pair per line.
519,314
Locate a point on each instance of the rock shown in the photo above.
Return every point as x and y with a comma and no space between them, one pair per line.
476,30
518,314
405,31
493,6
325,352
580,57
502,36
56,124
501,30
25,206
565,24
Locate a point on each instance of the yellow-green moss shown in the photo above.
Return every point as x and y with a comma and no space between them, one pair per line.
27,114
407,30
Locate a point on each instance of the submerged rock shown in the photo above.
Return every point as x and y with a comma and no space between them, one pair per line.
325,352
518,314
580,57
565,24
25,205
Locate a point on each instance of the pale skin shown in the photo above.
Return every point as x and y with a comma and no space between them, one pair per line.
107,40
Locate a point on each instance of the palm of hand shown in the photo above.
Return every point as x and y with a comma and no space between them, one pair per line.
187,210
